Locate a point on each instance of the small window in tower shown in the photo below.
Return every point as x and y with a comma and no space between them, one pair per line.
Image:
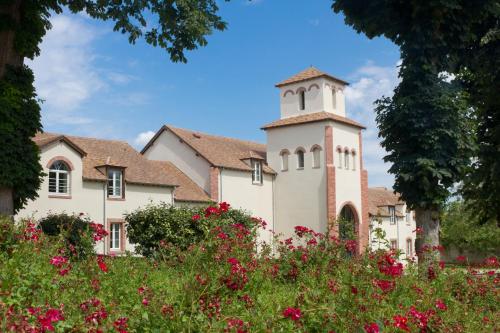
316,152
302,100
334,99
300,159
284,160
346,160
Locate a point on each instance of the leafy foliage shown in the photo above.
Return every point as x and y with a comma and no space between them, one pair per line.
222,285
20,120
455,36
462,229
163,227
74,229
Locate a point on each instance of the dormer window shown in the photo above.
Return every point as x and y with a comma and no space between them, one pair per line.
302,100
256,172
392,214
115,184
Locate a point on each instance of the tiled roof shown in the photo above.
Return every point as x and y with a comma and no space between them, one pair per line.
188,190
379,198
311,118
308,74
219,151
98,152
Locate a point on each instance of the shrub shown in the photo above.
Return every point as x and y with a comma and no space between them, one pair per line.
171,228
9,234
74,229
462,229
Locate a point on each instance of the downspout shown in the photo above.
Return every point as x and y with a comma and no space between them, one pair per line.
104,215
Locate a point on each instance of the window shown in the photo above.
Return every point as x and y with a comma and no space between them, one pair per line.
394,244
115,183
302,100
284,160
409,247
353,160
300,159
408,217
316,152
392,214
346,160
115,233
257,172
340,158
334,99
59,173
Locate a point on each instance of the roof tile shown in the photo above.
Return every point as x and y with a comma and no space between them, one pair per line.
379,198
310,118
309,74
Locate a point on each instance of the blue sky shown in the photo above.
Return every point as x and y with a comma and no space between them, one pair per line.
94,83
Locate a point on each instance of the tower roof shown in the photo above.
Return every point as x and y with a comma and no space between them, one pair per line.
309,74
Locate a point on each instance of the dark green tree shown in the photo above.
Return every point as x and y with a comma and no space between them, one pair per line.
174,25
454,36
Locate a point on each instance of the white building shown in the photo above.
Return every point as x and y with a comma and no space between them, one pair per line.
309,173
389,214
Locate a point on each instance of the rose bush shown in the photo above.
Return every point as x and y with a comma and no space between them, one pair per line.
309,283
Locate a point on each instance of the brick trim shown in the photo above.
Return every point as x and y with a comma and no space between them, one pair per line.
331,212
365,225
214,183
60,158
122,235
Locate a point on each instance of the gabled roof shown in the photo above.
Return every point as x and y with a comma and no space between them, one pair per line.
311,118
309,74
99,153
188,190
219,151
44,140
379,198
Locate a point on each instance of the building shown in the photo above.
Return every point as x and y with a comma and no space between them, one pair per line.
389,214
310,171
104,179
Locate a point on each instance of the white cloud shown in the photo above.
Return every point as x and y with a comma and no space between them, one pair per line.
143,138
369,83
65,76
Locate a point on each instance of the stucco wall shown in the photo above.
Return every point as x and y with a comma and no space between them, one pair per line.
236,188
318,97
300,195
88,197
168,147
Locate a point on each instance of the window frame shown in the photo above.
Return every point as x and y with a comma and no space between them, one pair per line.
346,159
256,171
316,156
392,242
57,180
284,155
300,152
334,99
392,214
113,187
111,236
302,100
409,247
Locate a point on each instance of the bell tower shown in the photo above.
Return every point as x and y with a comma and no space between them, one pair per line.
311,91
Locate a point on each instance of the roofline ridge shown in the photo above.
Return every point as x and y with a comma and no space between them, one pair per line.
216,136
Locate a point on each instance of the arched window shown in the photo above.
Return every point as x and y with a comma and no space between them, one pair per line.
353,153
302,100
284,159
59,180
339,151
346,159
334,99
316,154
300,158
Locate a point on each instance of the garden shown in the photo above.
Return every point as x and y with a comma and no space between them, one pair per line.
208,277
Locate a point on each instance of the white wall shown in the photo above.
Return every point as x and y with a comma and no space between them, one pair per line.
168,147
400,231
88,197
316,100
300,195
236,188
347,181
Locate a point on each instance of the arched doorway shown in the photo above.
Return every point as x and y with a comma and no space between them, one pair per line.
348,220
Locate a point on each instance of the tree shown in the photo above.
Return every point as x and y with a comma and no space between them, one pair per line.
175,25
434,36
